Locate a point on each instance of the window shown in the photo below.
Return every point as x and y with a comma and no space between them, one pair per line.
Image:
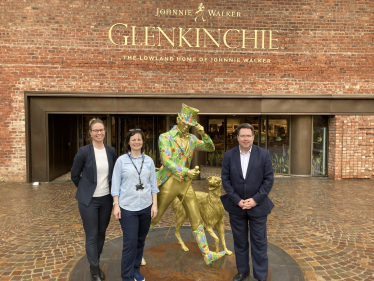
320,144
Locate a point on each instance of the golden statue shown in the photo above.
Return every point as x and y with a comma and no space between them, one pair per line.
174,177
211,210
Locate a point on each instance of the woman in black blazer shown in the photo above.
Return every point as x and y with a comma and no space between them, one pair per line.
95,163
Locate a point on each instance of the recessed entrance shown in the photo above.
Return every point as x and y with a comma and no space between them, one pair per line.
285,125
272,132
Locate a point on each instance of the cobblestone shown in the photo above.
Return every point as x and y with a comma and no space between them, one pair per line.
327,226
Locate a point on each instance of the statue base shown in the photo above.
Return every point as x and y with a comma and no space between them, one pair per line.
166,260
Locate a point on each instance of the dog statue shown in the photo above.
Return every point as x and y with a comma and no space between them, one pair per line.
211,210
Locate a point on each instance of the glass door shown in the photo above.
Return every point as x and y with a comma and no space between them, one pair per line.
152,127
232,124
223,131
262,133
124,125
147,124
320,145
278,143
217,131
254,121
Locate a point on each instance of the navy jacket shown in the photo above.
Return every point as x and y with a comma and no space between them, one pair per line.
257,184
85,163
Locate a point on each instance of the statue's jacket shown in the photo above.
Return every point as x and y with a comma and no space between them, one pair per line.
173,156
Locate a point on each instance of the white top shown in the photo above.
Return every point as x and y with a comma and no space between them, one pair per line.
244,160
102,168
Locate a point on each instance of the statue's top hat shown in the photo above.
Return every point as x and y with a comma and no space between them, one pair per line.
188,114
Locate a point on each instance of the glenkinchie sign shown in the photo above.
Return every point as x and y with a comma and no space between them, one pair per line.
151,36
196,37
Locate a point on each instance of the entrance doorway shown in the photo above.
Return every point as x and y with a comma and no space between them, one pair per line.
275,137
152,126
223,132
62,143
272,132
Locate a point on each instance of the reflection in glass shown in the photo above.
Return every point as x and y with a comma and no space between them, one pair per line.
81,131
232,124
253,120
263,125
152,126
173,122
224,135
147,125
278,143
160,129
113,136
216,131
319,159
125,124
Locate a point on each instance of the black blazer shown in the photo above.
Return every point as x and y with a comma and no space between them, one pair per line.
85,163
257,184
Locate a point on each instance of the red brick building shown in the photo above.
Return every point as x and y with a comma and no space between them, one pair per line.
301,72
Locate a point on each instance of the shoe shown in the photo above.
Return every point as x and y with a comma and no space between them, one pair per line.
95,273
201,241
101,274
139,276
241,277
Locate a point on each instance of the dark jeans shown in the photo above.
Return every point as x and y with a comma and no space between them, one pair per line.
135,226
95,218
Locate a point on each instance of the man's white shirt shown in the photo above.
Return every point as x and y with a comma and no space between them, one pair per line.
244,160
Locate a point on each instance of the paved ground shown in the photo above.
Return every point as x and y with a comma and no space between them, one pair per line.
326,226
166,261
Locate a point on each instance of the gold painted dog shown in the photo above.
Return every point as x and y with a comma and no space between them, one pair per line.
211,210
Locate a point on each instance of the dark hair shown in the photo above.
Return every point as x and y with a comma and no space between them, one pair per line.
245,126
129,135
94,121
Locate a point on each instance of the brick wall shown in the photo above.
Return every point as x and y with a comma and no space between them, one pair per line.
324,47
335,148
351,147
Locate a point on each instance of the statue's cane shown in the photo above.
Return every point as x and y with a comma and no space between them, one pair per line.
189,179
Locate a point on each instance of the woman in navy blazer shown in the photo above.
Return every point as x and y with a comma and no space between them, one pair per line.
92,174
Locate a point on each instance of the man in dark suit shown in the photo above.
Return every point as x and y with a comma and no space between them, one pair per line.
247,177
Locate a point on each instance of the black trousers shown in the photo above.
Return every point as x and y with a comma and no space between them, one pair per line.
258,240
95,218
